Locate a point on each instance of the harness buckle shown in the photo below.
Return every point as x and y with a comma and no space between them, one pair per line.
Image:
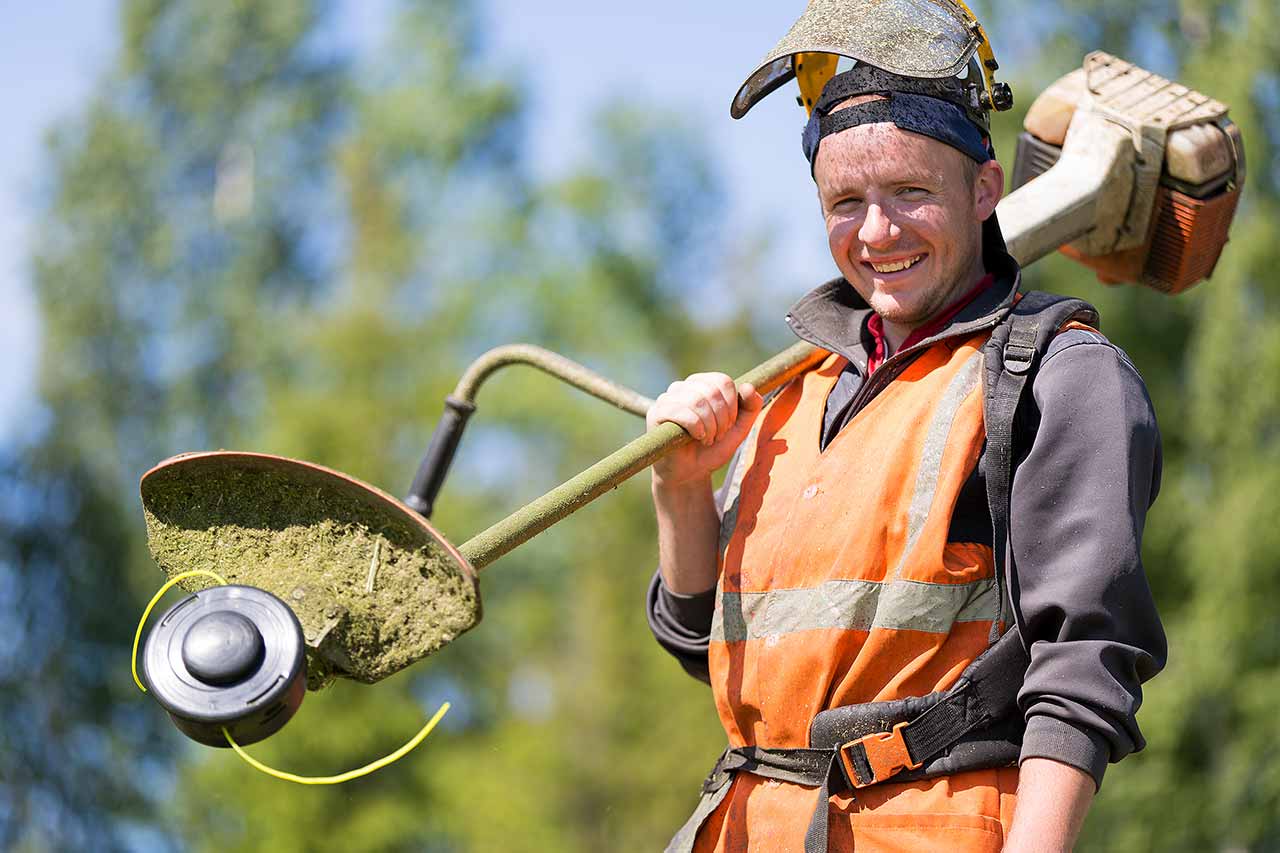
882,755
1018,357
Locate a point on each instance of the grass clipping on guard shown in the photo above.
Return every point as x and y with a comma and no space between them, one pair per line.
374,587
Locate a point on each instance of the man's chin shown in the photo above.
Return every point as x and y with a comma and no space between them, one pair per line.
897,311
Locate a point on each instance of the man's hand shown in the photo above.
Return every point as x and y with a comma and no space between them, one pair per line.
1053,799
718,415
707,406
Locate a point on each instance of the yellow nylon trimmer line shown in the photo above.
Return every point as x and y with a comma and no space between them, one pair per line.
239,750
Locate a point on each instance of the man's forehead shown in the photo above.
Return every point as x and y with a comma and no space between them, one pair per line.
882,153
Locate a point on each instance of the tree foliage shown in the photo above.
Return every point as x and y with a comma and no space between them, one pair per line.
251,240
1211,360
149,288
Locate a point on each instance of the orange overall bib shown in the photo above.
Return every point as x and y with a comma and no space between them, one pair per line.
838,586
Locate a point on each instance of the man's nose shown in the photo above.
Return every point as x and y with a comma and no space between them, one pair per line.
877,228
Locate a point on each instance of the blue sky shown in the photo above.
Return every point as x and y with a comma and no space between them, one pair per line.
577,55
691,56
51,54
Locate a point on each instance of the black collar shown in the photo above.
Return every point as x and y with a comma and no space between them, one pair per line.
834,317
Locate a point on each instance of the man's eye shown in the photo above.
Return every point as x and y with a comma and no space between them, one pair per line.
912,192
847,203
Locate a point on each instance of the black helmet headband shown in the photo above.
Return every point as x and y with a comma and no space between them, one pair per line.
941,108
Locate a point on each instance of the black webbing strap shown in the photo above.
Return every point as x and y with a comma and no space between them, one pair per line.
931,725
868,80
985,693
813,768
808,767
798,766
1012,354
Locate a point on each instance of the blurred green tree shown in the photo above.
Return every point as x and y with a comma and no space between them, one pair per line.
568,733
249,243
1208,779
166,226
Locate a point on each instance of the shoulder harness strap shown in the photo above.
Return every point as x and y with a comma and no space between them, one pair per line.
1011,356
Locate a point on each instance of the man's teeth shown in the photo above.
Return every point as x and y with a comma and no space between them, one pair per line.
896,265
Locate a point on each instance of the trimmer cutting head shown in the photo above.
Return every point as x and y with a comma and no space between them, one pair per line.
229,657
372,583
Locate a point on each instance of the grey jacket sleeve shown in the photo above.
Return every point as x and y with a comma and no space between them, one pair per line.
682,625
1078,504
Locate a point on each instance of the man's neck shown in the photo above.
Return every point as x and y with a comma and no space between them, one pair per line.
894,335
897,335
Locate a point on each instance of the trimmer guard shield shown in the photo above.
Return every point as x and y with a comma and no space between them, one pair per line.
374,585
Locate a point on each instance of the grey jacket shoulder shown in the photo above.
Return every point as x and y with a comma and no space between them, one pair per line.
1079,337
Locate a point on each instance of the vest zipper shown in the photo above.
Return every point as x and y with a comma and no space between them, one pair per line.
900,361
888,371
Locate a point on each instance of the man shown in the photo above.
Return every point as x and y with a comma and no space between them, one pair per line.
849,557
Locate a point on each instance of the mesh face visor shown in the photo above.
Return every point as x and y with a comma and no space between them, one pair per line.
912,38
937,108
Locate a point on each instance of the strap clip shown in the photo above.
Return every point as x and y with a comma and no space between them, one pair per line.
882,755
1018,357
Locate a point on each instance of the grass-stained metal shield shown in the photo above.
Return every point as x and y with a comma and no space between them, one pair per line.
372,582
915,38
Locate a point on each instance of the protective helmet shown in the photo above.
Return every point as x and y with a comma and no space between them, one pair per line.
911,38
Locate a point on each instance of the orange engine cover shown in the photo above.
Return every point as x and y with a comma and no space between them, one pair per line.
1188,237
1184,240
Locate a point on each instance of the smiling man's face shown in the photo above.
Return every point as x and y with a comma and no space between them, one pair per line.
904,217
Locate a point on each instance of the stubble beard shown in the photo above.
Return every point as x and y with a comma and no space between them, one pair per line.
938,298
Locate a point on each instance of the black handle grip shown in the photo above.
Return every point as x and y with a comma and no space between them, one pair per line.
435,465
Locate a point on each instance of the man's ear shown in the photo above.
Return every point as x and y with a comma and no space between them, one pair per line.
988,189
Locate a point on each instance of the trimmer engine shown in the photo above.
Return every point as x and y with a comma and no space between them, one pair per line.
1189,157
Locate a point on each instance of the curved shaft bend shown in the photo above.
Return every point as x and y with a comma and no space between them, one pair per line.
565,369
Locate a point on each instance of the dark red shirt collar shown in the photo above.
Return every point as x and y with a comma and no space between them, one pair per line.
875,325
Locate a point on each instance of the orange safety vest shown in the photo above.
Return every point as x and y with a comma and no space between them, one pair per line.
837,586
